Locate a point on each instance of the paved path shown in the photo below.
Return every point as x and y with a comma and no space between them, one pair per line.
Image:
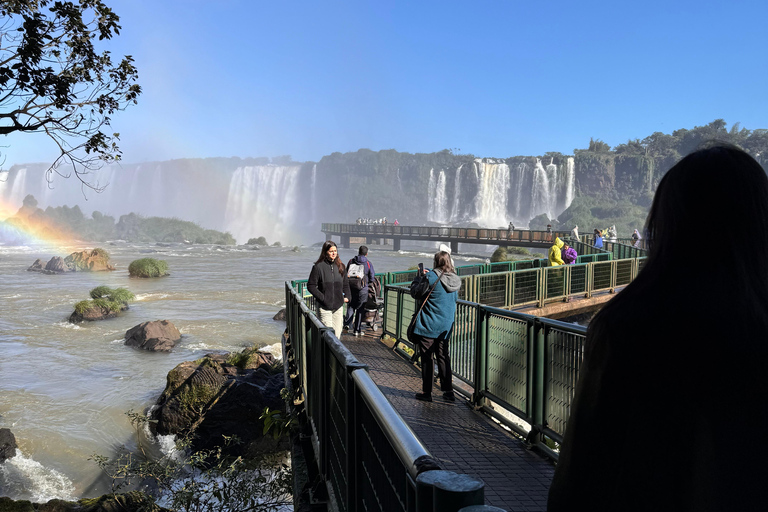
463,440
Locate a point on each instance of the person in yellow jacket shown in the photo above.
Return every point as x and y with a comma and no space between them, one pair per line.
554,253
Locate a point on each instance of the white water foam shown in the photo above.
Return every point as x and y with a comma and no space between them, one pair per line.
276,350
24,477
68,325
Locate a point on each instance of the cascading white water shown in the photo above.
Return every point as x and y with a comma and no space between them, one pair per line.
570,179
440,212
491,205
455,210
262,201
313,201
540,201
431,191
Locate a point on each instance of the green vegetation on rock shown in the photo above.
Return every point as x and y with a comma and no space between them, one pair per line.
104,298
257,241
148,267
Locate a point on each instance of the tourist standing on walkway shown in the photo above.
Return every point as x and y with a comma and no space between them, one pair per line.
360,275
598,239
554,253
569,254
660,408
329,285
439,287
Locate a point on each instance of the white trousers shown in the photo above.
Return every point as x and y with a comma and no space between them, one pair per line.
333,319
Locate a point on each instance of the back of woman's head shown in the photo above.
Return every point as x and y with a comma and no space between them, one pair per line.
710,217
442,262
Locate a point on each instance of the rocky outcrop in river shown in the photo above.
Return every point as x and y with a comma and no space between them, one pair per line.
157,336
96,260
7,444
221,395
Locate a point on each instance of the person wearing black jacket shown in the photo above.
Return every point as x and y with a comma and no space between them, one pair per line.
359,289
329,285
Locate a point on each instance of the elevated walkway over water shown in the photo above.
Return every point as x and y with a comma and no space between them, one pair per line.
377,448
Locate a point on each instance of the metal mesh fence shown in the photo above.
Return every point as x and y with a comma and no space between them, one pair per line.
525,285
565,351
578,279
507,367
624,272
462,346
555,282
336,387
601,275
492,289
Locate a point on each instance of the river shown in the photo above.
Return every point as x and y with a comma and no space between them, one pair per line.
65,388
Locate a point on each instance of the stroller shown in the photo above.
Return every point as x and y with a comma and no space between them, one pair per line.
373,306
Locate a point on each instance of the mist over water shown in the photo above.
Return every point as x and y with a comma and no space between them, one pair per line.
65,388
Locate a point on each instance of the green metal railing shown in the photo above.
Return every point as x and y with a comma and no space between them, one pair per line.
513,362
368,457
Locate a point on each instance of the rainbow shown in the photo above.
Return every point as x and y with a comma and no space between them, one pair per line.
26,232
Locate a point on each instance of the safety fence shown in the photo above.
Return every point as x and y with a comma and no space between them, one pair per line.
522,286
442,233
514,363
363,450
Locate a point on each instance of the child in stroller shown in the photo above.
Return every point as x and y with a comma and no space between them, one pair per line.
373,306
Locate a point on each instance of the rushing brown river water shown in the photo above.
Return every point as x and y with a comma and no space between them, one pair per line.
65,389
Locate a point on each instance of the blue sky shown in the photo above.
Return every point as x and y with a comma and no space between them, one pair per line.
491,78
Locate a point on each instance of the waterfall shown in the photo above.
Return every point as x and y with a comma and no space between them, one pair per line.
570,179
431,192
519,181
262,201
313,200
18,188
491,203
440,213
540,202
456,195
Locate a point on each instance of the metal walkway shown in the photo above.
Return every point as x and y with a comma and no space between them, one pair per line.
463,440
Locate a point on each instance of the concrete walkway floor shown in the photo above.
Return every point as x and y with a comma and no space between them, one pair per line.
463,440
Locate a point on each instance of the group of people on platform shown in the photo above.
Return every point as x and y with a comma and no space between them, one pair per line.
667,382
333,284
365,221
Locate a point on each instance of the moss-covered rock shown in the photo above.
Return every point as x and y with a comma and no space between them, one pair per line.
148,267
105,303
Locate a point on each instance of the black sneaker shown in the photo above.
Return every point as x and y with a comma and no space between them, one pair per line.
450,396
424,397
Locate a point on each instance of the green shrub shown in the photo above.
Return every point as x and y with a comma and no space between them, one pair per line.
257,241
148,267
107,298
101,253
277,244
500,254
523,251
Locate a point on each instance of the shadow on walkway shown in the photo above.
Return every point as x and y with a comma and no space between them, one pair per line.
463,440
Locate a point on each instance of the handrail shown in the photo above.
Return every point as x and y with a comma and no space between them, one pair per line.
363,449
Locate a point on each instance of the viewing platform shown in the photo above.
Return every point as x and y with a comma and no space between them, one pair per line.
373,446
448,235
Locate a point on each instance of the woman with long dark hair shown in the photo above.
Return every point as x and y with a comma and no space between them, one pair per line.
671,407
329,285
437,290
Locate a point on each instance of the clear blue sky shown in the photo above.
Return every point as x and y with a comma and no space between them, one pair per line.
492,78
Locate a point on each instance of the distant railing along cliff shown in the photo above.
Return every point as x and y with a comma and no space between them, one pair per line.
452,235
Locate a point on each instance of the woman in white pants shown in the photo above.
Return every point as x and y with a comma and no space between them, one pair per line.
328,284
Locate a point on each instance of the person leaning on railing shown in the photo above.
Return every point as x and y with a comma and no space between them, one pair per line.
671,406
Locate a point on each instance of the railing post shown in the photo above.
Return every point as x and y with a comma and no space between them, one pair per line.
351,435
481,355
542,288
538,382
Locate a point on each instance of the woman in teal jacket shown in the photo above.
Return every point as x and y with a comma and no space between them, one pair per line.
439,287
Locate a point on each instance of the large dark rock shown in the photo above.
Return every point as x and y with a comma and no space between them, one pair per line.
96,260
280,315
212,397
58,265
7,444
157,336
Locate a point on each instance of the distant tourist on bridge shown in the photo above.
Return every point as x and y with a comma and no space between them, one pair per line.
575,234
598,239
329,285
437,290
555,257
671,405
360,274
636,239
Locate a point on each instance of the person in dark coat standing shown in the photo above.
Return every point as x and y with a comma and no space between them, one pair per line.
439,287
359,289
329,285
673,376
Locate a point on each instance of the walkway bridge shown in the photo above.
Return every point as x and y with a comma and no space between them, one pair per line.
376,448
448,235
